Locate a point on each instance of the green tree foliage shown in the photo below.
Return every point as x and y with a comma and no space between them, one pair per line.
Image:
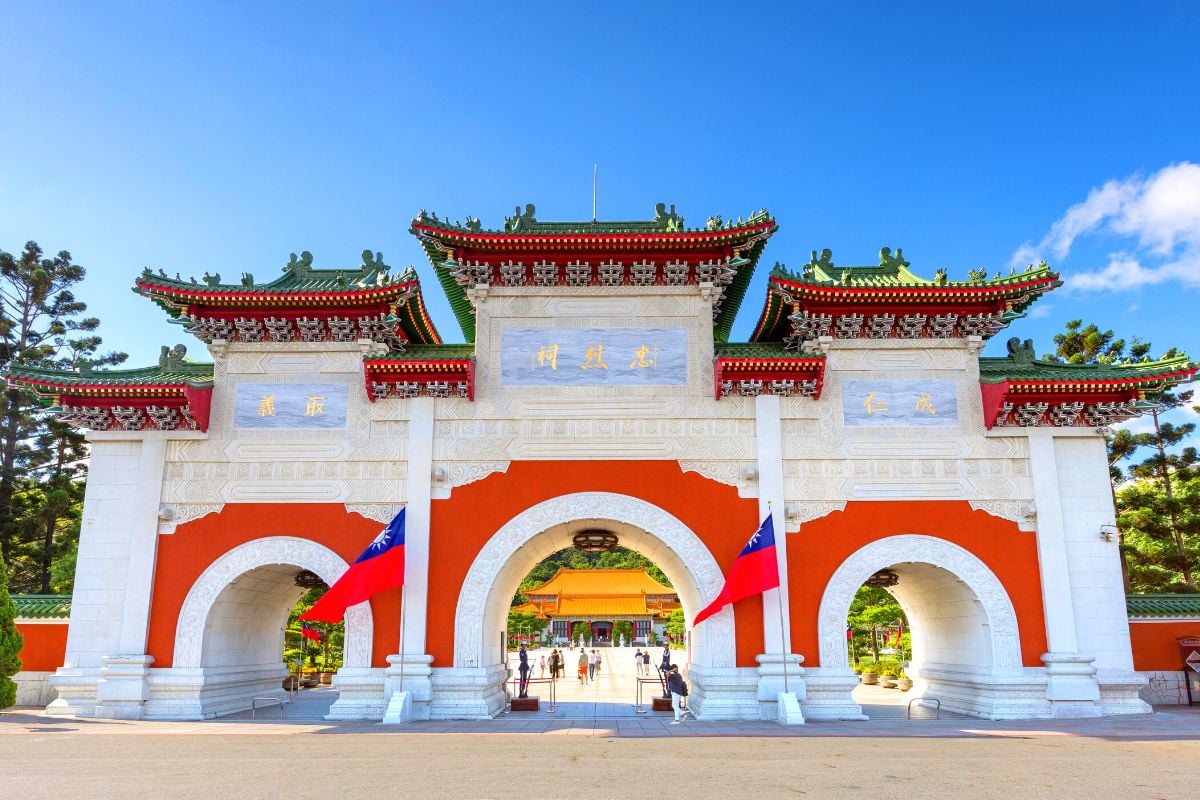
871,609
622,628
1157,515
525,623
325,655
1162,533
11,643
676,627
580,630
42,461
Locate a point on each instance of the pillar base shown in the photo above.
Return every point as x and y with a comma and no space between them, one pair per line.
828,694
360,694
1071,685
123,688
723,693
771,683
416,682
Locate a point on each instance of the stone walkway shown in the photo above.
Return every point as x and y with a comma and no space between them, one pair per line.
1168,723
605,708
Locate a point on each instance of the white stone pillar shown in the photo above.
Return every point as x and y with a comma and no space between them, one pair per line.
1072,688
106,667
776,613
415,664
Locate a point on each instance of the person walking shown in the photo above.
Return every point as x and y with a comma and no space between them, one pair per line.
678,690
542,667
591,657
646,663
583,667
554,659
599,660
637,660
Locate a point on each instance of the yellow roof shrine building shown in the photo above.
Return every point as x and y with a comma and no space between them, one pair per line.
600,598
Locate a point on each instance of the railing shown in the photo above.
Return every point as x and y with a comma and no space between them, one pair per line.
514,693
923,701
254,701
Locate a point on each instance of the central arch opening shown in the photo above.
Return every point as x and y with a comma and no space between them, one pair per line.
528,539
582,629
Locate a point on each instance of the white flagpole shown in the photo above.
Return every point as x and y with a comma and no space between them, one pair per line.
783,639
403,610
594,169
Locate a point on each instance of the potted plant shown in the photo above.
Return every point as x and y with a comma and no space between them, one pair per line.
869,674
888,674
904,682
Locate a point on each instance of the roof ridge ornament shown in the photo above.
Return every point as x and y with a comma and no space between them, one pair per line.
667,220
300,267
1021,352
518,221
169,357
894,263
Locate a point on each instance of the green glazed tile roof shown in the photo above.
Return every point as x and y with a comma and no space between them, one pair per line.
1022,365
428,352
891,282
176,375
42,606
298,277
439,237
892,272
299,286
1143,606
756,350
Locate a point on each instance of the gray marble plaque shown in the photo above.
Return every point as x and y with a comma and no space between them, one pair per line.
900,404
290,405
594,357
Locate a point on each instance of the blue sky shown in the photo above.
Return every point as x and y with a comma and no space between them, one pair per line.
223,136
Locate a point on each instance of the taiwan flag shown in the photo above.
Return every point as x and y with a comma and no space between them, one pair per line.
754,572
380,567
309,632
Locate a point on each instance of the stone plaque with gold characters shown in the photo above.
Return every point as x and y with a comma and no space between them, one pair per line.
290,405
900,404
594,357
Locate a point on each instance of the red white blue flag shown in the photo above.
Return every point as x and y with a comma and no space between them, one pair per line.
380,567
754,572
309,632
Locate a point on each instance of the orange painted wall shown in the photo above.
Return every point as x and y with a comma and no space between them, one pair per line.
45,646
1155,645
820,547
464,522
185,554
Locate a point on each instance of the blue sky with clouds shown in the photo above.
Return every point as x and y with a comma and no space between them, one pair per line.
222,136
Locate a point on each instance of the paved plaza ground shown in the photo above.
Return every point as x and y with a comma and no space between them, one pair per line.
595,746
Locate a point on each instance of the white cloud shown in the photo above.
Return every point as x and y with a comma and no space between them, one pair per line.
1041,310
1161,212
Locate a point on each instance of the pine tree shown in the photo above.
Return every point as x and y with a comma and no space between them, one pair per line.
1160,516
11,643
41,461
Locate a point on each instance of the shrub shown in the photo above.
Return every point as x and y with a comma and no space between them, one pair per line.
11,643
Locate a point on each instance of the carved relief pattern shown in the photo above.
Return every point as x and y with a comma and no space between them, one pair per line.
702,569
186,512
915,548
799,513
380,512
1022,512
193,616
